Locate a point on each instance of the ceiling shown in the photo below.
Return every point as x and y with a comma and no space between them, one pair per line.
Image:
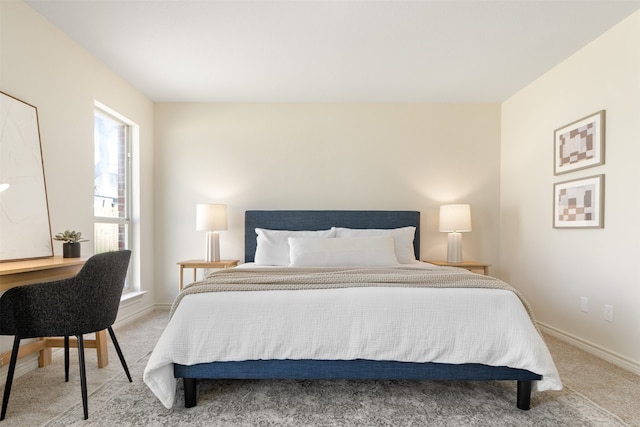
435,51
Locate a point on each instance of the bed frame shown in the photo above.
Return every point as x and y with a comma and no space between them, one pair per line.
343,369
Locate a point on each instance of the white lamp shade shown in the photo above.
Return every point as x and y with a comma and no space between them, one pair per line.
210,217
455,218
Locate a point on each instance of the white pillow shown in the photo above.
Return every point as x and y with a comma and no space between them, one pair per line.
403,238
357,251
273,247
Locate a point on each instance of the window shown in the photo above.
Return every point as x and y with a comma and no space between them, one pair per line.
112,182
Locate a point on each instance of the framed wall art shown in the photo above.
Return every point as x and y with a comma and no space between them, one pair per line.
579,203
580,144
25,230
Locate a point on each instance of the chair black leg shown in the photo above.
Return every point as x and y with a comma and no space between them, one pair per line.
83,376
120,355
66,359
10,372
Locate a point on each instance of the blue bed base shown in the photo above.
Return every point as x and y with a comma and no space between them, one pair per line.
343,369
351,370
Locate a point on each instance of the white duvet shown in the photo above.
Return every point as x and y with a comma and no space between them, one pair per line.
487,326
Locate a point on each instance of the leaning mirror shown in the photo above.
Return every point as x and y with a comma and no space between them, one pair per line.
25,230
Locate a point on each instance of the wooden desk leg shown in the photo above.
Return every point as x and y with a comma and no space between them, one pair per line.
44,356
101,348
181,271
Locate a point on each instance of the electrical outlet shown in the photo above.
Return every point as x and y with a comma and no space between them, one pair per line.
608,313
584,304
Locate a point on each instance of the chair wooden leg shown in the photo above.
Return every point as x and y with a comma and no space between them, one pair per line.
10,372
83,376
66,359
120,355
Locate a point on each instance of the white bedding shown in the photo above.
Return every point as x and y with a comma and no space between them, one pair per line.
488,326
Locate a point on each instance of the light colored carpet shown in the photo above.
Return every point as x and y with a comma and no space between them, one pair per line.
42,397
337,403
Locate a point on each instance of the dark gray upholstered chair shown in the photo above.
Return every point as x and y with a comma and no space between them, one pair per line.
85,303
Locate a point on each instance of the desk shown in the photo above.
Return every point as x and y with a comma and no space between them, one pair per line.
18,273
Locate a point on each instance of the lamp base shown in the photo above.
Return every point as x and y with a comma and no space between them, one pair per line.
212,250
454,247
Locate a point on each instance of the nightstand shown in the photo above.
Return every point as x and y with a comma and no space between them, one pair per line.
473,266
198,263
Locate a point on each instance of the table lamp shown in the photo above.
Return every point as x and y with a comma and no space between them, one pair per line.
455,219
211,218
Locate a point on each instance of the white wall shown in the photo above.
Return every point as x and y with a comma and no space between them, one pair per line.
321,156
366,156
555,267
43,67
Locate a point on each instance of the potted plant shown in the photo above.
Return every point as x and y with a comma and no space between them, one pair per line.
71,245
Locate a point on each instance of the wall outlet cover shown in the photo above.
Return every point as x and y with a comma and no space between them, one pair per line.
608,313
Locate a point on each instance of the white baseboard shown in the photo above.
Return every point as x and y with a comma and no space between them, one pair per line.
23,366
163,307
592,348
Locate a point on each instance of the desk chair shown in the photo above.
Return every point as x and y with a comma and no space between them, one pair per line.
85,303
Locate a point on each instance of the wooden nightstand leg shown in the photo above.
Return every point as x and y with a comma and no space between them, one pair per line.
181,271
101,348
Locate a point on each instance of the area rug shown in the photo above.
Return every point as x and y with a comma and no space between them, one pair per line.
334,403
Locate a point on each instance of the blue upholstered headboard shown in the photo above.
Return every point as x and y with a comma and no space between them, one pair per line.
323,220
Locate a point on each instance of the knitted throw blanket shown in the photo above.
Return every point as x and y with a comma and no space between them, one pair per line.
266,279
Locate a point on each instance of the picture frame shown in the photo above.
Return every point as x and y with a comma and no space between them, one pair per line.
580,144
25,228
579,203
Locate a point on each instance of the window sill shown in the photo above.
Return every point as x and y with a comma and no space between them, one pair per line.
131,297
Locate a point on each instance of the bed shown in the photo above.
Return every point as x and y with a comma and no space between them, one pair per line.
245,331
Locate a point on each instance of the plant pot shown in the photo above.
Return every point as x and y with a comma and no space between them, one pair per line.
71,250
